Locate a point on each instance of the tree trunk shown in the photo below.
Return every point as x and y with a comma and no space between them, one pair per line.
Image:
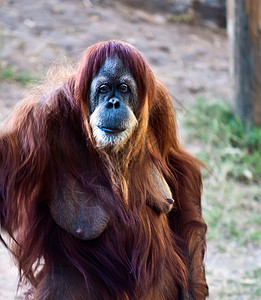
244,29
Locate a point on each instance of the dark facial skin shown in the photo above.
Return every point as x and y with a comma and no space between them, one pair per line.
113,81
112,105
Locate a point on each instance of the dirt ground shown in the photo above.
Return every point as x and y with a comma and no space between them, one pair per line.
192,61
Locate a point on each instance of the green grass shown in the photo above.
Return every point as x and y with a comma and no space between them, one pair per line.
232,153
239,147
8,73
231,198
247,288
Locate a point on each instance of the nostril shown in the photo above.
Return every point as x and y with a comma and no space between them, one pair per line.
113,103
109,105
117,104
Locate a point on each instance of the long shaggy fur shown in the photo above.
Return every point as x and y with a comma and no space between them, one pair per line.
143,254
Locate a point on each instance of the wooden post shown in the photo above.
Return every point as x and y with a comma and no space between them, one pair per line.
244,30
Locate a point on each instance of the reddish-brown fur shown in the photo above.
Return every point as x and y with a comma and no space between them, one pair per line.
143,254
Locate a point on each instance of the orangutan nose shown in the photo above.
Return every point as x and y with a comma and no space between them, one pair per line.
113,103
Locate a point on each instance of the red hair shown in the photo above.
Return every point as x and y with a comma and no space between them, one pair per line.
143,254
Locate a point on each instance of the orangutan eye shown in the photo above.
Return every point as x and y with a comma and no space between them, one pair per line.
104,88
123,88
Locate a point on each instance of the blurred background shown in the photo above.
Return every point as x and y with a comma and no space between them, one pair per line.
201,51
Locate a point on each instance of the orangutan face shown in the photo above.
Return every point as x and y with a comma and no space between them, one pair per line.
113,101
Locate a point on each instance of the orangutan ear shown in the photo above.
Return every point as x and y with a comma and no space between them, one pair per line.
166,201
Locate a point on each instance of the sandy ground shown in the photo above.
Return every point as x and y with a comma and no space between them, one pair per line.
192,61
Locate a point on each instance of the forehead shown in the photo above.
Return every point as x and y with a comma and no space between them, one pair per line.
113,67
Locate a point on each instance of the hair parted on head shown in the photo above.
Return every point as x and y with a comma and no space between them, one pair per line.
155,106
94,58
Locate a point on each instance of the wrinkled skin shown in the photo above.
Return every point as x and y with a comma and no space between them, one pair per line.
113,101
78,211
81,214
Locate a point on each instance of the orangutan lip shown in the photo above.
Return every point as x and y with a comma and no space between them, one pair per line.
111,130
